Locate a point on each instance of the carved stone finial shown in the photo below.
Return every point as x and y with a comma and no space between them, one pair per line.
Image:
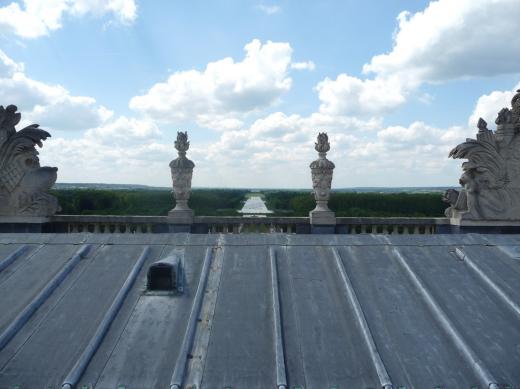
182,172
23,183
504,116
482,125
490,182
181,143
322,145
321,171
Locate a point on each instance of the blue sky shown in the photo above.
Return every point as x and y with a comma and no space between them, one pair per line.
395,83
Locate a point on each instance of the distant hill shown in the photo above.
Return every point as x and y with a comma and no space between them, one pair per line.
419,189
65,186
368,189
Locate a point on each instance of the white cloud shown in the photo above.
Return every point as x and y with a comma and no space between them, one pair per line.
37,18
447,40
87,160
421,133
50,105
274,151
488,106
347,95
269,9
308,65
124,130
124,150
224,89
69,113
278,148
453,39
8,67
124,11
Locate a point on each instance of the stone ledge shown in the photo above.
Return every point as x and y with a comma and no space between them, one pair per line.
484,223
393,220
24,219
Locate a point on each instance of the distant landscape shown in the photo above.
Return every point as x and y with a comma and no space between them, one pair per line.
361,189
119,199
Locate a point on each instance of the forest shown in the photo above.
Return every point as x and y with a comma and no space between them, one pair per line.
227,202
355,204
208,202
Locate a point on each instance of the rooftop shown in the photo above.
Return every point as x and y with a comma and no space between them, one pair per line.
260,311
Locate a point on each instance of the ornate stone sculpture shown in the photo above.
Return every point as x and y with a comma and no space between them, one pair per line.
491,177
23,183
182,171
321,170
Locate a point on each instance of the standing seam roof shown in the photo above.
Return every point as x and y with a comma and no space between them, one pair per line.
261,311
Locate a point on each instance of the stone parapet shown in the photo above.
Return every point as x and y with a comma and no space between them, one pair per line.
113,224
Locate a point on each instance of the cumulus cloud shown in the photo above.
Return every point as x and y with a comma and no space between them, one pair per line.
435,45
36,18
365,152
450,40
347,95
489,105
447,40
51,105
224,89
122,150
124,130
70,113
86,160
8,67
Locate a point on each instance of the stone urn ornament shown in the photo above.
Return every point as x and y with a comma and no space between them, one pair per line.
182,171
321,171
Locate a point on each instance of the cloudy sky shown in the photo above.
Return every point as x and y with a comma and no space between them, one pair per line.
396,84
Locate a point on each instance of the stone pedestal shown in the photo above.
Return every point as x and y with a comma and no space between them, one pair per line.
180,216
321,171
319,217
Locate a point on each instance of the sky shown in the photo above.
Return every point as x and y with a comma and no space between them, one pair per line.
396,85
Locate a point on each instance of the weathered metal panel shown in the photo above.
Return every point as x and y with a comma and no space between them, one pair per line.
68,327
241,349
141,350
430,311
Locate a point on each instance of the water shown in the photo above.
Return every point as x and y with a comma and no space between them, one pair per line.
255,206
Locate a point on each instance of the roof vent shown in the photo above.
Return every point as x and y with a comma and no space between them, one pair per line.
166,274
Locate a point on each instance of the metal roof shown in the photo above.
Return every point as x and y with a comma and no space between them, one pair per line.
260,311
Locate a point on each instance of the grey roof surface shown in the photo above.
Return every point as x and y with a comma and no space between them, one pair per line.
306,311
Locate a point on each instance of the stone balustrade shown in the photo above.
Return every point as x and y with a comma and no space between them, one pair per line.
241,225
392,225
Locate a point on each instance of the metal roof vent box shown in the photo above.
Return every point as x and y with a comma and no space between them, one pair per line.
166,275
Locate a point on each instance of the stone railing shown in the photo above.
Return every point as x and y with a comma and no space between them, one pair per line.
107,224
240,225
251,224
392,225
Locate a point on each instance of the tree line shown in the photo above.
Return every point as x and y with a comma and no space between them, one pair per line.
227,202
208,202
353,204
